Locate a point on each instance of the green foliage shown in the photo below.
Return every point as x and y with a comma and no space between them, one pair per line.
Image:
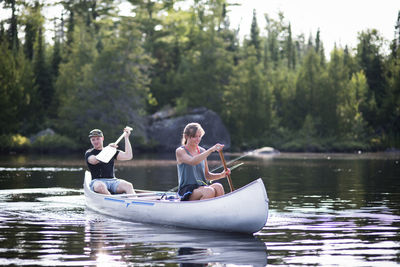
107,71
111,89
54,143
17,91
14,143
352,123
309,99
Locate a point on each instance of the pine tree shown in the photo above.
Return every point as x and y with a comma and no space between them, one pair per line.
255,36
370,60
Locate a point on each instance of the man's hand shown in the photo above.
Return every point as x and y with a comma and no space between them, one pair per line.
127,131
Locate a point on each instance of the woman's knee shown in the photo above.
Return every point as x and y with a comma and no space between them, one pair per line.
219,189
209,192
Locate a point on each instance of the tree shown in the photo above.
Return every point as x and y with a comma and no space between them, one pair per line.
307,99
351,120
12,32
32,20
43,77
370,60
255,36
248,101
205,64
391,103
108,89
290,51
81,55
17,91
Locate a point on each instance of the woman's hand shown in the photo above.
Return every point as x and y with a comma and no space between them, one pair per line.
227,172
217,147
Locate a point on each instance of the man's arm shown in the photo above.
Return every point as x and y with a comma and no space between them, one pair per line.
93,160
127,154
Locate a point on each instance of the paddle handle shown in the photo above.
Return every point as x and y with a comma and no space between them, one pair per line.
226,168
119,139
122,136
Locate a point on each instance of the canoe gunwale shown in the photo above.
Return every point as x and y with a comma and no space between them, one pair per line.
119,196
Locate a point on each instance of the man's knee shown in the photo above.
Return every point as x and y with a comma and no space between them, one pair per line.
101,188
125,187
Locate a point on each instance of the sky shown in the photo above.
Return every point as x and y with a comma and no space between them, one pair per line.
339,21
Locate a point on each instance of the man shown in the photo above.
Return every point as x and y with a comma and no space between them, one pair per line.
103,176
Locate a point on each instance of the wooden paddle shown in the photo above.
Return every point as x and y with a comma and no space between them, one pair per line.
225,168
232,161
108,152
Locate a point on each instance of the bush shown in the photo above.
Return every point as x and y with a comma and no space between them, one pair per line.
14,143
304,145
349,146
54,143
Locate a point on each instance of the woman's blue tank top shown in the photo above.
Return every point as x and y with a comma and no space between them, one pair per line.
189,174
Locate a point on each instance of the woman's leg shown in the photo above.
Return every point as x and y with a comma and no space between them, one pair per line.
219,189
203,192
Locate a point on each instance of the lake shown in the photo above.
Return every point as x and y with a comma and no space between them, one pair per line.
325,210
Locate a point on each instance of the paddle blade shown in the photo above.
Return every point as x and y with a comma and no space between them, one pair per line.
106,154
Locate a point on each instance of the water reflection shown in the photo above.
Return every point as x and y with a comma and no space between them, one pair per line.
52,227
141,243
325,210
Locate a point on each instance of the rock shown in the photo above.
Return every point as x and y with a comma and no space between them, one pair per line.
47,131
167,133
164,113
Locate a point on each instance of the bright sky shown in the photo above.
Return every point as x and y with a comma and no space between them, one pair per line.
339,21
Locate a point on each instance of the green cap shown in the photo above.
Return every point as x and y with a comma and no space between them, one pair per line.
95,132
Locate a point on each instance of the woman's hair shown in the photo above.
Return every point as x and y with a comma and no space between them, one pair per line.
190,131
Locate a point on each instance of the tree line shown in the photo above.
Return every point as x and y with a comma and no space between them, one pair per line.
104,70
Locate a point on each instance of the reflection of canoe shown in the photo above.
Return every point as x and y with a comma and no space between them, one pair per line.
171,245
244,210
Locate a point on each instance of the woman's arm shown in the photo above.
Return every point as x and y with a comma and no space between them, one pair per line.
215,176
183,157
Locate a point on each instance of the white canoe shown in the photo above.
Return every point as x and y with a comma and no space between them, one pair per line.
244,210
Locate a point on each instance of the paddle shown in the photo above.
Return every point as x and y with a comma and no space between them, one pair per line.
141,194
225,168
233,160
108,152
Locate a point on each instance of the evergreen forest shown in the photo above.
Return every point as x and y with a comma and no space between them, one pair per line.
101,69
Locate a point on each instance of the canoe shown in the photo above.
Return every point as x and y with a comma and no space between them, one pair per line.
244,210
264,153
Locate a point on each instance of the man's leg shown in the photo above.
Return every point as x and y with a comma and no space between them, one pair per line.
125,187
101,188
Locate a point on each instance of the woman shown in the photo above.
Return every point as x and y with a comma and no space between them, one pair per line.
192,165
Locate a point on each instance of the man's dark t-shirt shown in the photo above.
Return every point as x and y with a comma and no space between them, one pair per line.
100,170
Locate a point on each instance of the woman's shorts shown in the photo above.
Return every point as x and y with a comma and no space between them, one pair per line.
185,192
111,184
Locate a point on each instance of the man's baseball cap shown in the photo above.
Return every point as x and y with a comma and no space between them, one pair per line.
95,132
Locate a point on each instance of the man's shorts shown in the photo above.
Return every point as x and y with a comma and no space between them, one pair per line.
111,184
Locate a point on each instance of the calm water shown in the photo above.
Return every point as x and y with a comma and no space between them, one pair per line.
325,210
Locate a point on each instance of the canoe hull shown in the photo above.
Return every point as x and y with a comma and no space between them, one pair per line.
245,210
